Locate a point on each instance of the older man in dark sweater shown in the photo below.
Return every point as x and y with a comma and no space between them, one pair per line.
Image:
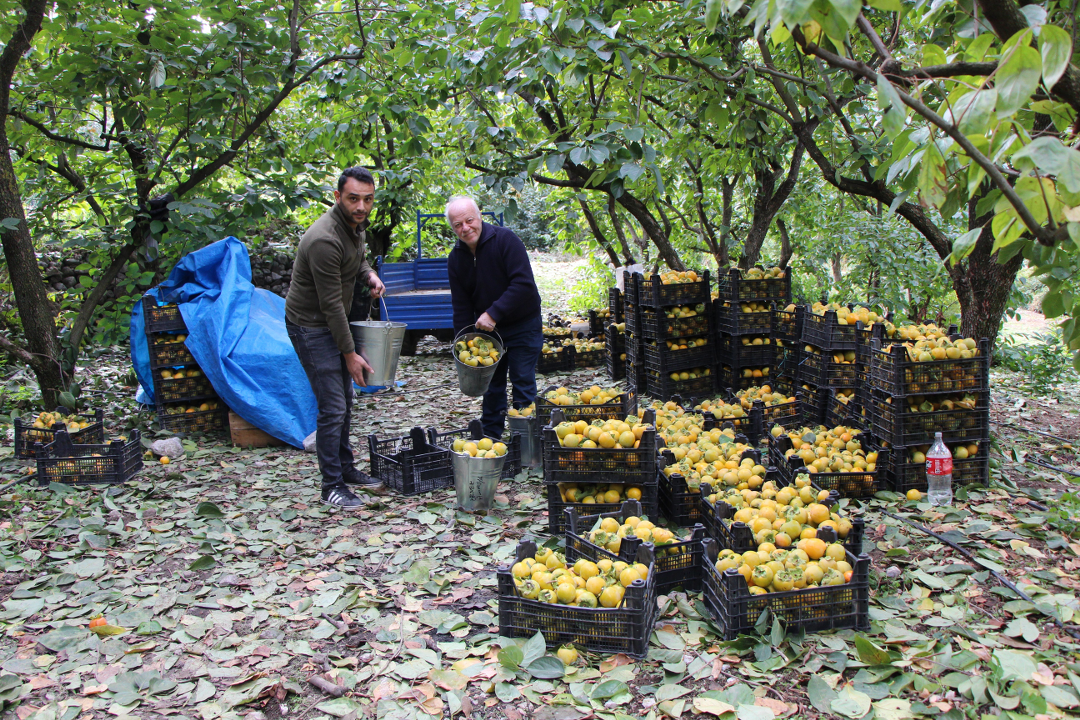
492,287
329,261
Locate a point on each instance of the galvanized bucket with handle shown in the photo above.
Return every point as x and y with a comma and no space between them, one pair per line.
474,381
475,480
379,341
531,456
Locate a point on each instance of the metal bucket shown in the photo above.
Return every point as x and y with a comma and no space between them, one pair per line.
474,381
530,441
379,341
475,480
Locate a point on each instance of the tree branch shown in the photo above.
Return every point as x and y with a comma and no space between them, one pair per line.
16,352
51,135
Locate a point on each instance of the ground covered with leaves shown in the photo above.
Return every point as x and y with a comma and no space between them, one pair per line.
226,587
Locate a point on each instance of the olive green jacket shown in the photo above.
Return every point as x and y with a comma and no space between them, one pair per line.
330,259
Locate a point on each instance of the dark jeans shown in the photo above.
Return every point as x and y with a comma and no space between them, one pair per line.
332,385
522,343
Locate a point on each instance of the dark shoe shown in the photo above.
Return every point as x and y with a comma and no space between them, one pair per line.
363,481
342,497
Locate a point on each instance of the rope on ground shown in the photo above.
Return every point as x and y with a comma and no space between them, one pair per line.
1001,578
1031,430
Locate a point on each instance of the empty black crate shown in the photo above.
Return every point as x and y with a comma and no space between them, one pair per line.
161,318
61,461
678,564
410,465
652,292
895,423
730,318
893,372
811,609
734,287
475,431
27,435
625,629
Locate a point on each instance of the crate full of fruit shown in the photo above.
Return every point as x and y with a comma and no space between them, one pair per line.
600,451
593,403
62,461
840,458
932,365
782,516
42,428
618,535
592,498
971,464
613,612
756,283
913,420
673,287
822,587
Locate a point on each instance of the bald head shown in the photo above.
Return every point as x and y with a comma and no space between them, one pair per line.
463,214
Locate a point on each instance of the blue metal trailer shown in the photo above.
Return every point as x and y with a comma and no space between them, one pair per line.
418,292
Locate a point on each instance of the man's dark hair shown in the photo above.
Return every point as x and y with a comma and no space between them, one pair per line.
357,173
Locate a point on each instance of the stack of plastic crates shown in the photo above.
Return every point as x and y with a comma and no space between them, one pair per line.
185,400
910,399
743,317
615,342
677,340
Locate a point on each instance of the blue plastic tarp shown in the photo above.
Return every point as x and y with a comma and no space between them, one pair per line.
236,332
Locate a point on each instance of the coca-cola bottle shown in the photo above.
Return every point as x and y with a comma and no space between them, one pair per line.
939,473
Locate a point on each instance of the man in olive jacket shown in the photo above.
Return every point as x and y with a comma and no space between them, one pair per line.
331,258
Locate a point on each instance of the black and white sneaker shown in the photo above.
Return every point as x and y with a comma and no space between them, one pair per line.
342,497
363,481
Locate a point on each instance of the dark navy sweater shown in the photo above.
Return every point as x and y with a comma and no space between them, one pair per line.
497,280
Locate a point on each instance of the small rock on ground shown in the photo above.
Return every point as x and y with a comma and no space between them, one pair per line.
171,447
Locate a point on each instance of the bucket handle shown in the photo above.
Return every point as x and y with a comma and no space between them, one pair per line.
493,332
386,310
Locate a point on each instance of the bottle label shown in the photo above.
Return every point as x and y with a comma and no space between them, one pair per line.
939,466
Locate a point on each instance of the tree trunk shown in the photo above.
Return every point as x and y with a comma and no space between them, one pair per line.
35,310
768,199
652,228
837,267
727,195
982,284
785,244
616,223
598,233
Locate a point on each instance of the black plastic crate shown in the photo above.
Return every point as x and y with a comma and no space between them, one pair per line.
187,389
634,466
598,322
734,535
734,287
787,325
784,413
655,325
615,360
661,386
169,353
788,359
826,332
812,609
749,424
858,484
214,420
590,358
161,318
625,629
904,476
557,507
651,292
617,409
562,360
894,423
26,436
732,351
844,412
63,462
660,359
678,503
729,318
410,465
475,431
822,369
615,305
736,378
892,372
678,564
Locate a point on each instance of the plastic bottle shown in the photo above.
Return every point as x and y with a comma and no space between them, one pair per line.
939,473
